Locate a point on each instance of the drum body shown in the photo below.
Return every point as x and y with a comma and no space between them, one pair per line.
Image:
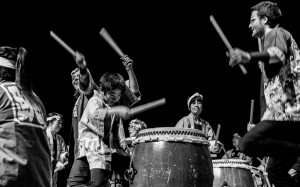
171,157
234,172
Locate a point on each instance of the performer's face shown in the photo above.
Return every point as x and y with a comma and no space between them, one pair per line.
56,126
75,80
196,107
235,142
256,25
113,96
132,130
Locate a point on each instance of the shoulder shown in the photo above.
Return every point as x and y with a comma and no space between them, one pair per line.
280,33
96,99
204,122
182,122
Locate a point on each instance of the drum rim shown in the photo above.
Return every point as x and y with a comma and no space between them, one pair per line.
232,163
171,134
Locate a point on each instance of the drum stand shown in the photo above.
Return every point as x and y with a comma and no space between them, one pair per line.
267,179
115,180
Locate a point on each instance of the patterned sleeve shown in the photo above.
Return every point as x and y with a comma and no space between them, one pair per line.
279,47
122,140
63,147
129,98
62,144
95,109
93,114
209,132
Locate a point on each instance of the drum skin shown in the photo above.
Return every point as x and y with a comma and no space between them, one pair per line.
234,172
171,157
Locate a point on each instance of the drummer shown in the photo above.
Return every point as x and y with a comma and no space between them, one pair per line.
135,126
122,163
193,121
235,153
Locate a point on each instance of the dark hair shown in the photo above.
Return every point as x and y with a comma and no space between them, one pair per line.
111,81
52,114
269,10
23,79
74,71
22,74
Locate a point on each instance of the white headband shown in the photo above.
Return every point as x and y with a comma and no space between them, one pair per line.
193,96
7,63
236,135
52,117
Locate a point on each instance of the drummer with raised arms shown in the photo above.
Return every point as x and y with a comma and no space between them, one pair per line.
193,121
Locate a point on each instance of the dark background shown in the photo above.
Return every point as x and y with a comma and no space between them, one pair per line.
175,49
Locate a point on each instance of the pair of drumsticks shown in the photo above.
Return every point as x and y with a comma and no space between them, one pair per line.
113,44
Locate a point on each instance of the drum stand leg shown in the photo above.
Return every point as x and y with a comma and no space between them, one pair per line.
255,183
267,179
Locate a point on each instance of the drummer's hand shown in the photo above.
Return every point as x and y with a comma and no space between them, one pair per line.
59,166
214,147
250,126
127,62
293,172
262,168
80,60
260,65
238,56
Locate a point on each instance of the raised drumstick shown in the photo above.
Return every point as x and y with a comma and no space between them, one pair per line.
62,43
218,133
251,111
215,24
110,41
147,106
262,162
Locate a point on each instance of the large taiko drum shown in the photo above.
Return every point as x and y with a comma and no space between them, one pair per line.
232,172
170,157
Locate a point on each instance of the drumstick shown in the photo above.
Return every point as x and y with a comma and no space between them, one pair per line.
62,43
110,41
64,166
218,132
223,37
251,111
262,162
225,152
147,106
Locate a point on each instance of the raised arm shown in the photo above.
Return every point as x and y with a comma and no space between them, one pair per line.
133,83
86,82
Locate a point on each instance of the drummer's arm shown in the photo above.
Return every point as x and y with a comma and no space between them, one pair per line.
210,133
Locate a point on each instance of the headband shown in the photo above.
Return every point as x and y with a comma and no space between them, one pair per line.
193,96
7,63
